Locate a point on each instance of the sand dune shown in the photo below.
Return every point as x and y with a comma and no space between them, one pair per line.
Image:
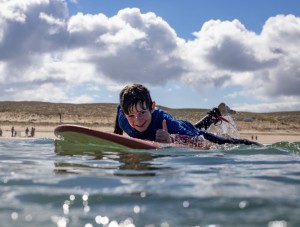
44,117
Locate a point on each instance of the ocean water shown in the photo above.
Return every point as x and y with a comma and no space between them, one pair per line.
226,186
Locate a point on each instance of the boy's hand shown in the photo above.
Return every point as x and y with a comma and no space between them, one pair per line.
162,135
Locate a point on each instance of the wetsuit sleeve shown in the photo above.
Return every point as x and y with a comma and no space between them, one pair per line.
117,128
181,127
221,140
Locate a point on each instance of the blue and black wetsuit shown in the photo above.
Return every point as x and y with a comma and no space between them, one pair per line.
180,127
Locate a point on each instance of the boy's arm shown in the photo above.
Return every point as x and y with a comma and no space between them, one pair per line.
162,135
117,128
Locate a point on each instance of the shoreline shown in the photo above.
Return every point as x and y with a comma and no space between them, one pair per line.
271,137
263,137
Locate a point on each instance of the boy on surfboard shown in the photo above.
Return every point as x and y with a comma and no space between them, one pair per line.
138,116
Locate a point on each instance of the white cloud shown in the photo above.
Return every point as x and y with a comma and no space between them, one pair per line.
88,23
287,105
81,99
40,47
266,65
51,20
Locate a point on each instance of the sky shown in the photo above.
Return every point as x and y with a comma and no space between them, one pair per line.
190,54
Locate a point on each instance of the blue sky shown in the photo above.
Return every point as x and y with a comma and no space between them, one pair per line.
193,53
188,16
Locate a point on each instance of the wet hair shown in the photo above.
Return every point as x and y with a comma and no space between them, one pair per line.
133,95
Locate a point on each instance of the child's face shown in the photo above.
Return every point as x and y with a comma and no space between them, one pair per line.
139,118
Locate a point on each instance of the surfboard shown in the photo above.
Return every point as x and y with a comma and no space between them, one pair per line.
75,135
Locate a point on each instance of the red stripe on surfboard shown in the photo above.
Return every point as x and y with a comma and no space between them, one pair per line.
125,141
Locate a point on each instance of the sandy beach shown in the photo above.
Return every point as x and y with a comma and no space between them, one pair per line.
254,135
265,128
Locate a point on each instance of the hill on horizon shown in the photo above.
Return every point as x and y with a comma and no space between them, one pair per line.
103,114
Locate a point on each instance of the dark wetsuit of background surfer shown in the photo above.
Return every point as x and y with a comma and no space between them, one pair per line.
180,127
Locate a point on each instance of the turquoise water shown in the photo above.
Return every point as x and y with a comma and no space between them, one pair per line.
224,187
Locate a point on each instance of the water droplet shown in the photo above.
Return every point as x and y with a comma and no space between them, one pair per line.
86,209
143,194
113,224
280,223
14,215
165,224
101,220
85,197
243,204
136,209
72,197
186,204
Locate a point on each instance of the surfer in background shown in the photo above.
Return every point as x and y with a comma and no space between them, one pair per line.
138,116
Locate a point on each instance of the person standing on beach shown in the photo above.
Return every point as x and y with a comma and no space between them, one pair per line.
27,131
32,131
12,131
